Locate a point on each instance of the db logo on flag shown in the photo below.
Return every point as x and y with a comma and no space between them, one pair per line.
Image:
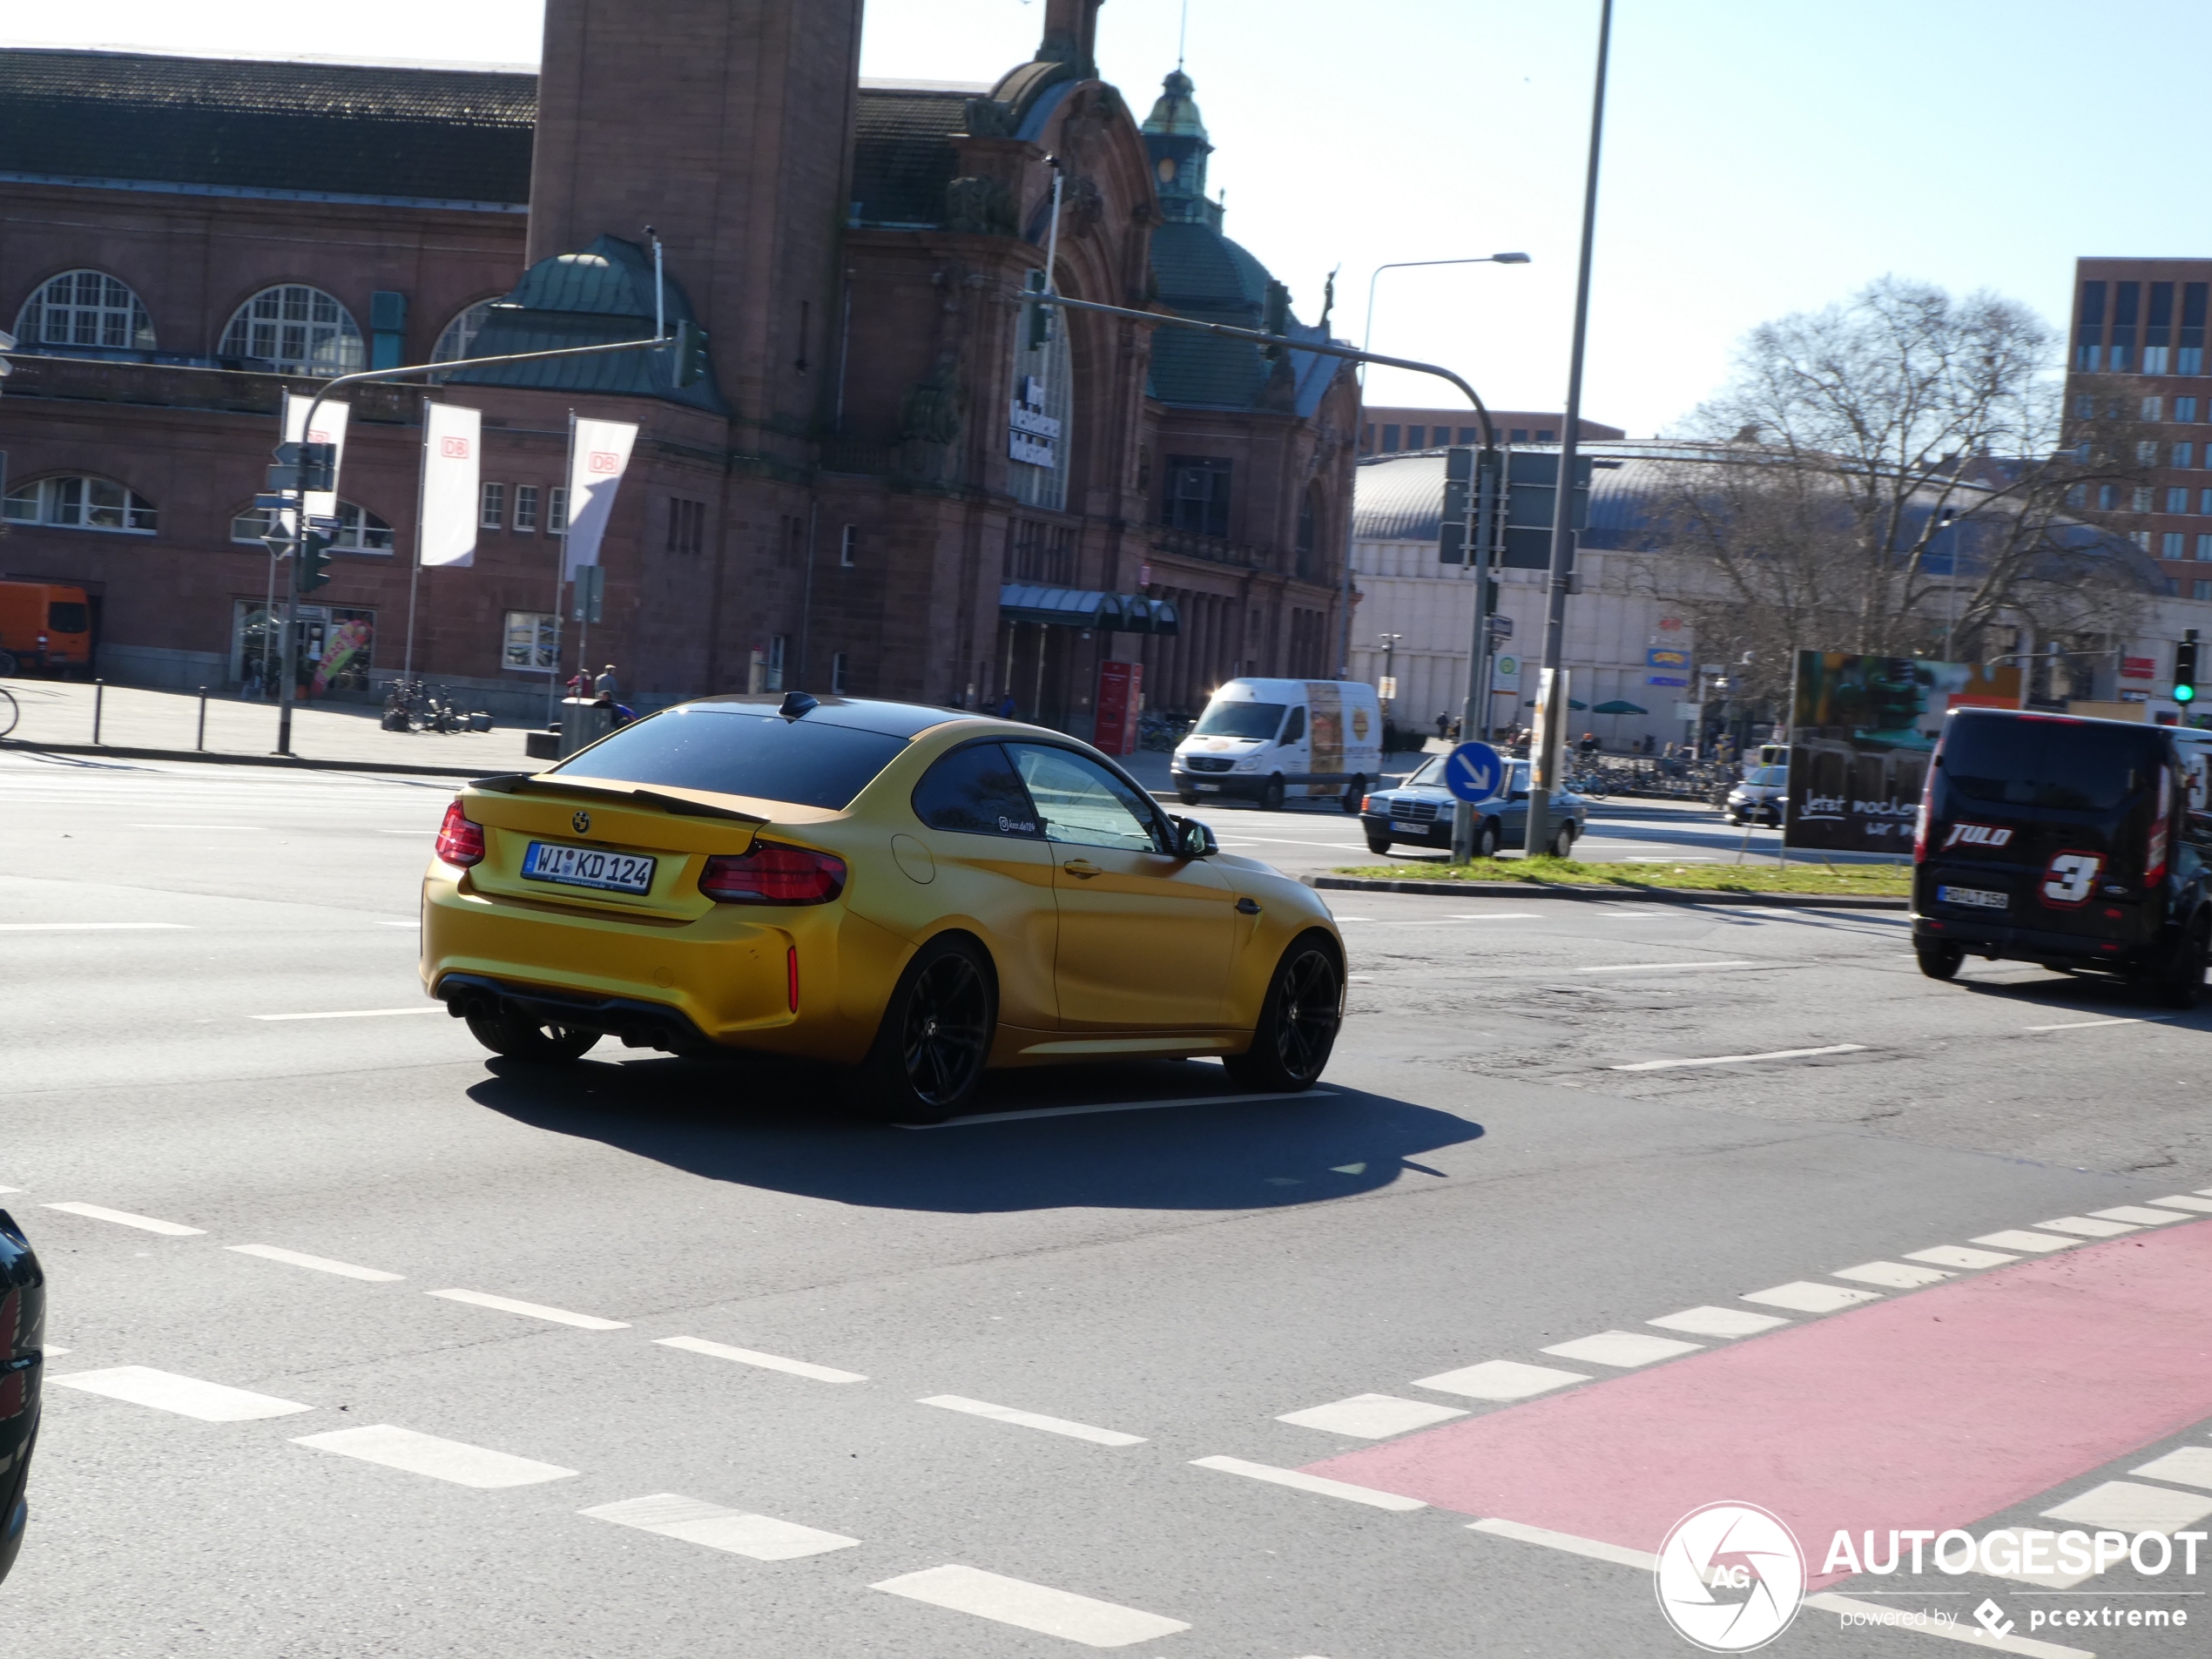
453,449
605,461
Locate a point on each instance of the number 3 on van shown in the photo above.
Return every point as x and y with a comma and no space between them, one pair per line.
2071,877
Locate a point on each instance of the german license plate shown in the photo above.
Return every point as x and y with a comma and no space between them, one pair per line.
1207,789
1398,828
1978,898
588,866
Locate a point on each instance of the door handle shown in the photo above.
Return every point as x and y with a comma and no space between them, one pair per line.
1082,867
1248,907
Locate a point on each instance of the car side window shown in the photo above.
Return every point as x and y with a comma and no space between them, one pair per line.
1083,804
977,791
1293,725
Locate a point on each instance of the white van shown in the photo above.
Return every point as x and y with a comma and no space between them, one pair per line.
1266,740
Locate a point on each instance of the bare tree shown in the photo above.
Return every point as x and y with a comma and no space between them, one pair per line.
1888,475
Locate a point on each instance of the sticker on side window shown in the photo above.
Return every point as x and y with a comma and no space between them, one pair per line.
2070,878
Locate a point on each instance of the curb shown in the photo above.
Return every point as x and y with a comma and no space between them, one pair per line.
1650,895
118,751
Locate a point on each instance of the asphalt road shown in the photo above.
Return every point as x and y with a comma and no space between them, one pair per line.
376,1348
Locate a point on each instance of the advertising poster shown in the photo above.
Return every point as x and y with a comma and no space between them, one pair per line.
1861,732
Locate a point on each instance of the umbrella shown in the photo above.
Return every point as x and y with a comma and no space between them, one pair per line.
1579,708
1616,708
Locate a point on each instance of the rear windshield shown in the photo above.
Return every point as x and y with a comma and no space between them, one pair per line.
735,751
2073,767
1240,720
66,616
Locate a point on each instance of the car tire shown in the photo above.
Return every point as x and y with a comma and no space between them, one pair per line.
935,1039
512,1037
1271,794
1299,1021
1354,793
1378,843
1563,842
1487,840
1940,958
1188,796
7,664
2179,980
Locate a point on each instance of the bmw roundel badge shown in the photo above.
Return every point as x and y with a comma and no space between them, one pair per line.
583,822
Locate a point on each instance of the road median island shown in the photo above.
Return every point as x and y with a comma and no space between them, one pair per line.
1868,887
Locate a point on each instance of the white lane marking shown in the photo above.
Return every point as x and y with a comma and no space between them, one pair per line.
199,827
1371,1417
2126,1505
2173,1200
2089,1227
1895,1276
1032,1420
2191,1466
2138,1214
1878,1614
1498,915
2015,1239
1654,968
1301,1481
1620,1554
1116,1106
354,1013
531,1309
2090,1025
454,1460
1622,1348
11,1189
1031,1606
124,1219
764,1538
1959,1256
379,921
321,1264
1718,1322
1501,1379
1740,1059
52,1352
765,1361
186,1396
1806,1297
92,926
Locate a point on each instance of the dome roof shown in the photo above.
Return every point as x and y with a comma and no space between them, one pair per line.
1176,112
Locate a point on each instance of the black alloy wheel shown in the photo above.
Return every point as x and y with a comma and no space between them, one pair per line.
1271,795
1940,958
1485,839
1298,1022
517,1038
936,1035
1354,793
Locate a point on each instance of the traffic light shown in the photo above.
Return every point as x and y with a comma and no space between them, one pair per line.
315,561
2185,668
690,351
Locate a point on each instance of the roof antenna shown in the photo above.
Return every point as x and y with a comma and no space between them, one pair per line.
1182,35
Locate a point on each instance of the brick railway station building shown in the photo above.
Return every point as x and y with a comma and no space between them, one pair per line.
888,484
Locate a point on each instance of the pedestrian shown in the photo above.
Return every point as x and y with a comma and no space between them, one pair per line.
1588,745
1004,710
249,686
579,685
606,684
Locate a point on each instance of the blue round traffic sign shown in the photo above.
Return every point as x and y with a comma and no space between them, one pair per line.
1473,772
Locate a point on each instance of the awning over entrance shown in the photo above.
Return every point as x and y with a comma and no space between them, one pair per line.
1128,613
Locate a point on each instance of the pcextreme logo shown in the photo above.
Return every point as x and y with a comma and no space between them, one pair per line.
1731,1577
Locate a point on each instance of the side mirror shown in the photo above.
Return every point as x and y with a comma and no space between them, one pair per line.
1194,839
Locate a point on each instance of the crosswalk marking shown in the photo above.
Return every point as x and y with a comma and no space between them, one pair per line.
1622,1348
1501,1379
2088,1226
1371,1417
454,1460
1031,1606
1803,1297
165,1391
1718,1322
762,1538
1299,1480
1959,1256
1896,1276
2020,1239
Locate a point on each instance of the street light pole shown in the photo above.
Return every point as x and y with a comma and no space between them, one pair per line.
1545,751
1389,674
1367,339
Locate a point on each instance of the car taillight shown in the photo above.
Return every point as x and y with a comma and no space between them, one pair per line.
2155,854
459,842
773,874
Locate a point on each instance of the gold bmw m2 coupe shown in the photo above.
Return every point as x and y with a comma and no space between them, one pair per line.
918,894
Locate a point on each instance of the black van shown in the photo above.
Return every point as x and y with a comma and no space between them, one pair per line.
2078,844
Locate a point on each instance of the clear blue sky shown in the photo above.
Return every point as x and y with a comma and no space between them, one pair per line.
1761,158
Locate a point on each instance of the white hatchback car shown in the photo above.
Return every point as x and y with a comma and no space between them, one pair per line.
1761,797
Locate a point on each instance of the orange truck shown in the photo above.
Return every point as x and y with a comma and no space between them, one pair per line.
44,626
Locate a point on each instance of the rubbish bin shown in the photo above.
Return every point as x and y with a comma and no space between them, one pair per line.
584,722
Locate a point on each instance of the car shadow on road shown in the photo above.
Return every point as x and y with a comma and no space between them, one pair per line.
2086,994
780,1128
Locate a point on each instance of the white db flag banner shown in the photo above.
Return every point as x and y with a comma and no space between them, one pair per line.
595,473
330,427
452,440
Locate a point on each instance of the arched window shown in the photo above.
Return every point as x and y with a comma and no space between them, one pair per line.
294,330
453,342
1039,436
359,530
85,309
79,503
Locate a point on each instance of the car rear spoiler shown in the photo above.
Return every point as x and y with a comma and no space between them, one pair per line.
525,783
